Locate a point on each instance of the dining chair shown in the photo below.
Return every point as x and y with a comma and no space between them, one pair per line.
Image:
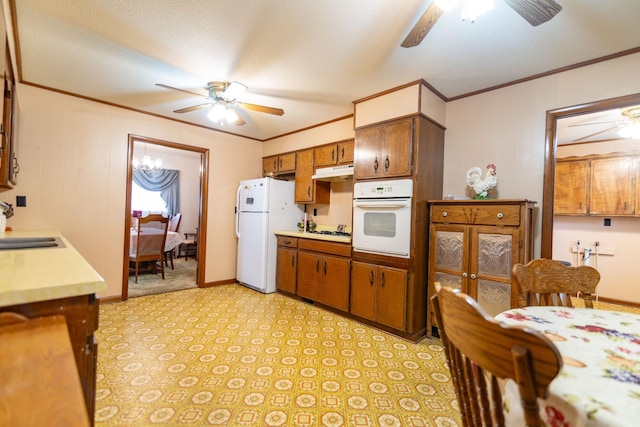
548,282
174,224
150,242
480,350
190,243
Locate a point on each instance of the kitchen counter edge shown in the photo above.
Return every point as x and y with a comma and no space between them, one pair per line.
325,237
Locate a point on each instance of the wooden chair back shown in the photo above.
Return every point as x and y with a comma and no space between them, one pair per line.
548,282
174,222
480,350
151,237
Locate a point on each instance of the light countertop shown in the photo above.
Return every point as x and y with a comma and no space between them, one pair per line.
316,236
32,275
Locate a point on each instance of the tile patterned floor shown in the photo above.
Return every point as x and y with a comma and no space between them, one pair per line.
230,356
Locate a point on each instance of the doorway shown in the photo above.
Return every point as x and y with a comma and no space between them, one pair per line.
196,166
550,157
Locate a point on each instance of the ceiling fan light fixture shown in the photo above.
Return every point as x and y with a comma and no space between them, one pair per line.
474,8
631,130
234,90
217,113
446,5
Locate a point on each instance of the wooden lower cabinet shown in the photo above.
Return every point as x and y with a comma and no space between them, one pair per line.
81,316
379,293
287,264
324,278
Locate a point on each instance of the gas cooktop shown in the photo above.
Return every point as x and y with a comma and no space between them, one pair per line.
330,233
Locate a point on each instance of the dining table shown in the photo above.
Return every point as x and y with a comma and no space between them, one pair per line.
173,238
599,382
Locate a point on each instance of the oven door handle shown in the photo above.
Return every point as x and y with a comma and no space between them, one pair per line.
378,203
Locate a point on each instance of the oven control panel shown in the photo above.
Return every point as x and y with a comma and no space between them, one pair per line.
383,189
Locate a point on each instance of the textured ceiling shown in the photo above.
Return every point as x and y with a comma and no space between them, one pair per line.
311,58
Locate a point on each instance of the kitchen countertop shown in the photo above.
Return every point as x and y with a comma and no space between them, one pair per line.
32,275
316,236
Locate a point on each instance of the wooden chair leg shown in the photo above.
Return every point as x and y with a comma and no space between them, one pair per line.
136,271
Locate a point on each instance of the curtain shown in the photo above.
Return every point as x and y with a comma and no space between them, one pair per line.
163,180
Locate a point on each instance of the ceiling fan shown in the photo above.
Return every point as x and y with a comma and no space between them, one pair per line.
535,12
628,127
222,99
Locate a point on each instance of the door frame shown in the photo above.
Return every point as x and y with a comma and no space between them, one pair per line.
550,157
202,205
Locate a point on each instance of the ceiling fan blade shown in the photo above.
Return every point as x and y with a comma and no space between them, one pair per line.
181,90
596,123
535,12
584,138
423,26
233,90
261,108
195,107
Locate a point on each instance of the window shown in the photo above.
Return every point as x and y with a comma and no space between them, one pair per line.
146,201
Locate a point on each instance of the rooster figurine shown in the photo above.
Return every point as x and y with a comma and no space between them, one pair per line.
479,185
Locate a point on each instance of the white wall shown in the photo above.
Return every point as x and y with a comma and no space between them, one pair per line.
73,164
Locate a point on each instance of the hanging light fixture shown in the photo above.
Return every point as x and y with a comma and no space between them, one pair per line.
631,130
221,113
470,8
146,163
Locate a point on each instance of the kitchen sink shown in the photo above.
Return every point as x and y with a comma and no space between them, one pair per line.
13,243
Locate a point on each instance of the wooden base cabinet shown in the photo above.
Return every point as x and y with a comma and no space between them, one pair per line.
324,272
379,294
474,244
287,264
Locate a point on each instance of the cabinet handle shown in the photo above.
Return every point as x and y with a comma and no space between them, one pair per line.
293,260
317,266
342,153
275,164
473,277
444,213
280,163
375,165
325,268
500,215
580,205
382,279
309,190
333,154
371,278
386,163
464,274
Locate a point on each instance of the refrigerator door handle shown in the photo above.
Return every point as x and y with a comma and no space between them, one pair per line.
238,212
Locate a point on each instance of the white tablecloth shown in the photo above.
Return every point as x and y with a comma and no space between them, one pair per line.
599,383
173,239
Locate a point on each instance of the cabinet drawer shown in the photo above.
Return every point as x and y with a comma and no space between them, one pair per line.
477,215
289,242
340,249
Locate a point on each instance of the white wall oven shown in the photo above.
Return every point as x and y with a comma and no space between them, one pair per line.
382,217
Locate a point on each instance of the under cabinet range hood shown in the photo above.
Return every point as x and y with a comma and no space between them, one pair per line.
334,173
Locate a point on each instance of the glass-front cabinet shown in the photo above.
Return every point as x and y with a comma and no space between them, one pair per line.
474,244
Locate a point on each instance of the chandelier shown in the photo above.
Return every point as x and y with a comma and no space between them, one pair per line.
146,163
631,130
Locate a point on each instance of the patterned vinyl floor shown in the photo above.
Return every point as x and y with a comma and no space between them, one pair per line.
230,356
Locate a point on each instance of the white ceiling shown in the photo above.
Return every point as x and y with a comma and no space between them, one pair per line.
311,58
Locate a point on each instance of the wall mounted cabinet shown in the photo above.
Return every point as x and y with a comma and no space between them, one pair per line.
282,164
384,150
308,190
8,161
334,154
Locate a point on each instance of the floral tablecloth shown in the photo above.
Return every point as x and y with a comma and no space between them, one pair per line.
173,239
599,383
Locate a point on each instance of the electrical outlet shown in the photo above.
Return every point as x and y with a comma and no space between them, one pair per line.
21,201
607,222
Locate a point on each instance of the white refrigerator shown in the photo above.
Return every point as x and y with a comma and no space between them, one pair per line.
263,206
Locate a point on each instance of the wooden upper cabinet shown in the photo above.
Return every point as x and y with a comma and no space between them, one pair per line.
384,150
279,165
571,188
612,186
308,190
333,154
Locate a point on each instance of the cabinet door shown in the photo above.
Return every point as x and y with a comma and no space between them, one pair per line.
612,188
392,297
335,282
345,152
571,188
363,290
309,275
449,246
286,269
493,252
304,184
367,162
326,155
396,148
269,166
287,163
